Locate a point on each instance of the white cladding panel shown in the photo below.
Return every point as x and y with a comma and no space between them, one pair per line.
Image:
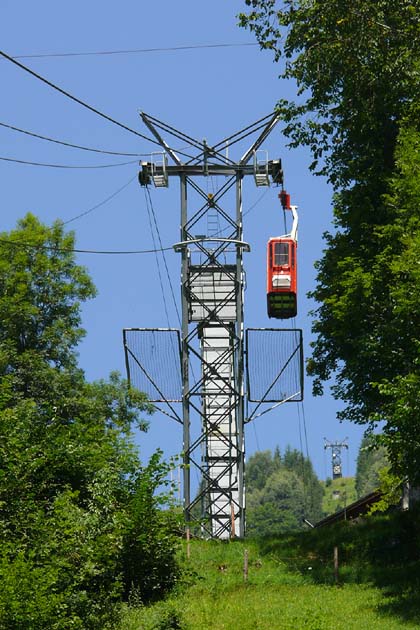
220,416
213,291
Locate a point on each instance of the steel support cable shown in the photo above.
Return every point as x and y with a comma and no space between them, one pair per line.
149,215
302,420
69,144
134,51
245,135
101,203
179,134
193,142
71,250
66,166
239,135
97,205
163,255
303,464
151,212
77,100
166,267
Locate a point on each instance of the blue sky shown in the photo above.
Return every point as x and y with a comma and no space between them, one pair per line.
207,93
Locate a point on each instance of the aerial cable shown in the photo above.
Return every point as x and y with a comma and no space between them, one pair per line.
149,216
175,132
69,144
101,203
77,100
134,51
256,437
197,144
303,472
163,256
50,165
249,133
237,137
71,250
162,249
257,122
304,429
150,213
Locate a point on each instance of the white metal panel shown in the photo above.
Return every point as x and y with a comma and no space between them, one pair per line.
220,416
212,291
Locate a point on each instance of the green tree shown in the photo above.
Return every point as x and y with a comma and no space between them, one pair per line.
295,461
260,466
356,70
74,498
371,460
281,492
280,505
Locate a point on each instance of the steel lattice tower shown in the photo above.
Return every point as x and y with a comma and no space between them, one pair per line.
212,335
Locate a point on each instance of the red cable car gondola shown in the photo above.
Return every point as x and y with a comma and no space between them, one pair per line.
282,269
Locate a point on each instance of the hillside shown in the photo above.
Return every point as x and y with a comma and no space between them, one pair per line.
337,494
291,583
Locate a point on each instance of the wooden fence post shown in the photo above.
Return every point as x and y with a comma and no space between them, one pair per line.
188,542
246,565
232,521
336,564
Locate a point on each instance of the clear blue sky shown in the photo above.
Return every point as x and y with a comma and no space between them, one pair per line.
208,93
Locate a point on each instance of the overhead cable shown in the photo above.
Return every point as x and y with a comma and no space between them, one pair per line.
236,137
163,255
101,203
241,131
49,165
162,290
135,50
80,251
69,144
75,99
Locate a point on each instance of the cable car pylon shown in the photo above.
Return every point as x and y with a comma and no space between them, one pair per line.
211,344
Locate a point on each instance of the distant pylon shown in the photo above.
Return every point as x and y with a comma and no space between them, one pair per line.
337,469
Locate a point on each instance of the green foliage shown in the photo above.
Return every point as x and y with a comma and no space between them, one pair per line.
371,460
281,492
150,568
356,69
41,288
391,488
161,616
81,523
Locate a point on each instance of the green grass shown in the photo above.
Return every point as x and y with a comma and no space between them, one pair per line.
347,489
291,582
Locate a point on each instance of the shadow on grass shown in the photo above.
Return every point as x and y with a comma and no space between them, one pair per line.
380,550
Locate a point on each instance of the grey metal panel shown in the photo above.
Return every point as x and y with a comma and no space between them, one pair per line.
274,365
153,361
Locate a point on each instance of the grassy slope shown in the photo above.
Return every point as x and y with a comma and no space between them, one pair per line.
291,583
347,489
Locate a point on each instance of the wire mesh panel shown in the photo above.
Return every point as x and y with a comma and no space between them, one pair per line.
153,362
274,365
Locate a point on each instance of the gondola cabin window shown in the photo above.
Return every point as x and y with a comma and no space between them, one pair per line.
281,254
281,278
